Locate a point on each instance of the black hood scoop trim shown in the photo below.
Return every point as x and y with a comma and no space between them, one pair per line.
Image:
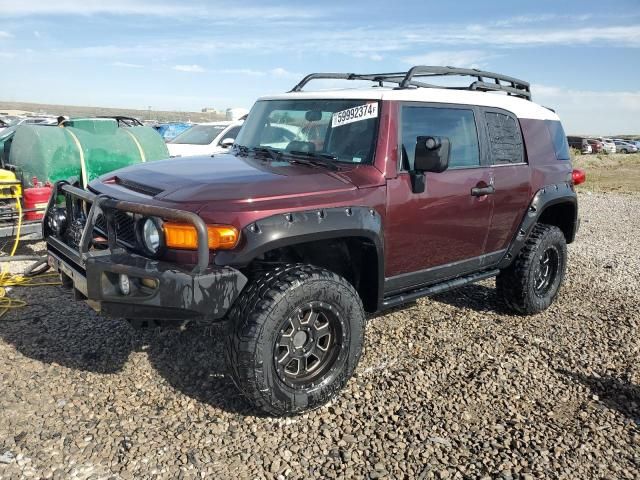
138,187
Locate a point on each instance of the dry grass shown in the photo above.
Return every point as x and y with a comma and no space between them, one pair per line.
83,111
610,173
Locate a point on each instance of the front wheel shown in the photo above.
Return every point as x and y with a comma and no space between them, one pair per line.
296,335
530,284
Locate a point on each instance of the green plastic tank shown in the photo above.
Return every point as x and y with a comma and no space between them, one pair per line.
83,148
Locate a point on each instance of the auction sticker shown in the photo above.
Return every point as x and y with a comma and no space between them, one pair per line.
355,114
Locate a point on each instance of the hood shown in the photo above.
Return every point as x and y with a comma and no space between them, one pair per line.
226,178
187,149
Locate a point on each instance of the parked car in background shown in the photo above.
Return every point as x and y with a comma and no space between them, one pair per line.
596,145
580,143
205,139
169,131
624,146
33,121
608,144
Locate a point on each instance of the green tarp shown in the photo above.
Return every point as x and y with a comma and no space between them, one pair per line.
55,153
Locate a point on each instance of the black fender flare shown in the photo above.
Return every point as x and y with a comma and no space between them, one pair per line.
289,229
544,198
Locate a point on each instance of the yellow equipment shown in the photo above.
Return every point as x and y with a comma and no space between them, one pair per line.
10,186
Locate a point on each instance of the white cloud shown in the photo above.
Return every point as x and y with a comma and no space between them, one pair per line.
376,57
277,72
283,73
591,111
217,12
4,34
243,71
37,34
543,17
529,37
458,58
7,55
126,65
189,68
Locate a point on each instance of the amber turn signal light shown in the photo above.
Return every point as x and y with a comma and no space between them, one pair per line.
184,236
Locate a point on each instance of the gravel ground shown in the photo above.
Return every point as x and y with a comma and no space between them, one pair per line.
451,387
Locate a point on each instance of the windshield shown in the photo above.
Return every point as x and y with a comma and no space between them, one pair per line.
342,130
199,134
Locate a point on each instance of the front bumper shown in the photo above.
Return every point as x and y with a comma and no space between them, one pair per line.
158,290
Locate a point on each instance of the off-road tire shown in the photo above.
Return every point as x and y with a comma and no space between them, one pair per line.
516,284
256,319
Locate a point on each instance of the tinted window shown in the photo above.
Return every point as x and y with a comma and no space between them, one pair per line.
199,135
559,139
505,138
231,133
457,124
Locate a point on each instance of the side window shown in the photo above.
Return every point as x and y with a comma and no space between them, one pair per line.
231,133
505,138
457,124
559,139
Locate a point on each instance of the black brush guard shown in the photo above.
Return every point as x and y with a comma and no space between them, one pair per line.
202,292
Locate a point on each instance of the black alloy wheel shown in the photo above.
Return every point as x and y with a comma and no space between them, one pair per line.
530,284
546,271
309,344
295,338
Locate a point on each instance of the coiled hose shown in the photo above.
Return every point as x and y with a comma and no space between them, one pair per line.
27,279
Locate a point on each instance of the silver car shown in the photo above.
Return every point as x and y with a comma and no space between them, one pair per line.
624,146
608,145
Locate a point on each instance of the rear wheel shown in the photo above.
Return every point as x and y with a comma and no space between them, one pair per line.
530,284
624,150
296,336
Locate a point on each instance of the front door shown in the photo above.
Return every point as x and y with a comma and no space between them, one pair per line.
442,232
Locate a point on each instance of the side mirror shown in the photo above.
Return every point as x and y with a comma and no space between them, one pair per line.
227,142
432,154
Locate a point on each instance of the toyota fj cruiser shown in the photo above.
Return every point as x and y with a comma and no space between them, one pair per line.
329,205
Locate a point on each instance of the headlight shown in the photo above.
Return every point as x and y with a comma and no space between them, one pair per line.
151,236
57,221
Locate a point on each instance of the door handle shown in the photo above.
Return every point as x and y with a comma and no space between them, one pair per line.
481,191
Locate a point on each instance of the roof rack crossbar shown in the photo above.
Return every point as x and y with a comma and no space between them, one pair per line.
511,85
517,87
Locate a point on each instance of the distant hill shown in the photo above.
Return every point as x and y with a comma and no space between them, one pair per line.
83,111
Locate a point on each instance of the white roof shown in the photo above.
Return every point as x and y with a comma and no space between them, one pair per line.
520,107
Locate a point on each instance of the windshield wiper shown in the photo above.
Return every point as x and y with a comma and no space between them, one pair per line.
315,158
271,152
241,149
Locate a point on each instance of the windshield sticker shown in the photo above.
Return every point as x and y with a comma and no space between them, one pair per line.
355,114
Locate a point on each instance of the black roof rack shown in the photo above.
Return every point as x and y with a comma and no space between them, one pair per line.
484,81
124,121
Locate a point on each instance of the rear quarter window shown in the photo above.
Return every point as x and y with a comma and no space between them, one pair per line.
505,138
559,139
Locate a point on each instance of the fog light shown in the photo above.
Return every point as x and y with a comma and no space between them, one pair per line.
149,283
124,284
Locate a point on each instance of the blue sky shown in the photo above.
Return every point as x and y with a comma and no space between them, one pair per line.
582,57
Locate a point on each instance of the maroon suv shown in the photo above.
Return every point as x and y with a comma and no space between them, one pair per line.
329,205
